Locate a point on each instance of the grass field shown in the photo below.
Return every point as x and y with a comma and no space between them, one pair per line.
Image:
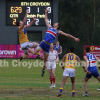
23,83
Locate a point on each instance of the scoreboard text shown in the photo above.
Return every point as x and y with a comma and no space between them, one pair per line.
16,10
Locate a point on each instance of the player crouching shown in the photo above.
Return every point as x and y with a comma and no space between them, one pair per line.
51,65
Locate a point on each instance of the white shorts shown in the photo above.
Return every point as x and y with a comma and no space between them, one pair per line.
69,72
51,64
29,44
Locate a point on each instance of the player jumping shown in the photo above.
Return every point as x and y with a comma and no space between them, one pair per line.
51,65
90,60
69,69
50,36
23,38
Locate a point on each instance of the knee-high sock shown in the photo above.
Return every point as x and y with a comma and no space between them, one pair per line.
51,80
54,78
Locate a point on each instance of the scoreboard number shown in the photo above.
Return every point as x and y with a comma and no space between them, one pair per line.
16,10
29,9
37,22
38,10
14,21
28,21
49,9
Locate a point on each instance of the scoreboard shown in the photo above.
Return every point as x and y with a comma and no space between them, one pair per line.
16,10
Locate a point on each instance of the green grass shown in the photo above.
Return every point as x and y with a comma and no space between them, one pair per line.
23,83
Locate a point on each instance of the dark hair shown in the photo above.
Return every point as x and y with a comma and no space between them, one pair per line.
87,49
71,49
59,26
57,41
17,23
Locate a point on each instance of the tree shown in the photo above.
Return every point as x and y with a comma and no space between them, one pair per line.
81,19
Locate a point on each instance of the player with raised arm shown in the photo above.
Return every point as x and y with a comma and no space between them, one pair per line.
23,38
50,36
69,61
90,60
51,65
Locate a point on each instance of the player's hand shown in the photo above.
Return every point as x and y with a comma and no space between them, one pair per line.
34,18
85,70
77,39
99,68
27,11
88,72
46,10
58,53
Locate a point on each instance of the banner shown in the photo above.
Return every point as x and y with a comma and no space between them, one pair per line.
14,51
94,50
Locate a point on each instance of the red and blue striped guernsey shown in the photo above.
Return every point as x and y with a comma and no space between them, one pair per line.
57,48
51,35
92,62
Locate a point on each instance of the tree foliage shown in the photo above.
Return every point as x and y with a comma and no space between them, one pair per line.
81,18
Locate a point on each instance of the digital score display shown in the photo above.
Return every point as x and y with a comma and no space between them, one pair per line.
16,10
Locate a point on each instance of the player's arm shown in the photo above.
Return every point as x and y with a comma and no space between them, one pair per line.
78,59
60,50
87,63
46,19
62,62
56,57
68,35
86,60
31,23
24,21
98,61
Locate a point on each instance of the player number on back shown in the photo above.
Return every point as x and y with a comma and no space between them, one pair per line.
70,57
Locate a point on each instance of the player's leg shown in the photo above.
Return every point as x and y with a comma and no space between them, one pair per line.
65,76
46,49
34,51
98,78
25,56
72,77
50,75
35,44
48,65
27,46
23,47
85,86
63,81
53,77
45,60
53,65
73,86
57,59
87,77
62,85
